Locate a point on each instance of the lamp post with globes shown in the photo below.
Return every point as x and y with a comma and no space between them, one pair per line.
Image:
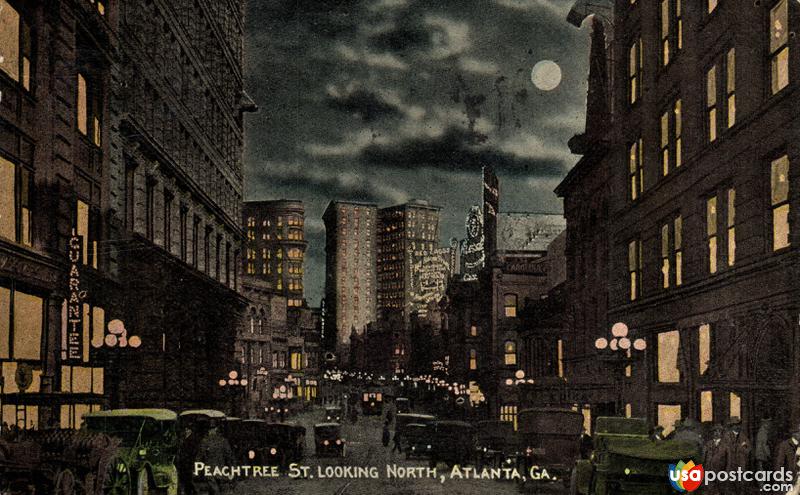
619,352
114,343
231,386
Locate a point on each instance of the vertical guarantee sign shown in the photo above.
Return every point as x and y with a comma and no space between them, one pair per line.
75,300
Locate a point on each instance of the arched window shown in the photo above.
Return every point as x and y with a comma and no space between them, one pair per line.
510,353
510,305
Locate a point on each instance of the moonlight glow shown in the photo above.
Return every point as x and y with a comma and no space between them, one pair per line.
546,75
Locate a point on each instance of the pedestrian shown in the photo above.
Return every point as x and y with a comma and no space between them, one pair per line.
787,455
386,434
398,445
586,445
763,452
688,431
715,458
216,451
739,450
187,455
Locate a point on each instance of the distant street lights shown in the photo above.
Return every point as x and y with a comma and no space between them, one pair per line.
231,385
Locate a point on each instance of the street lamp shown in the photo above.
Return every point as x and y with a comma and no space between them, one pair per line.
231,384
618,352
117,339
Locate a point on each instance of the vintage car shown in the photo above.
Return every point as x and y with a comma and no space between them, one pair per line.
403,405
452,442
549,442
248,439
285,444
145,460
626,460
495,444
416,438
328,440
372,401
401,420
334,414
194,418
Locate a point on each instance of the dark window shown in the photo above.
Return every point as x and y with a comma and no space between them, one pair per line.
195,241
183,232
168,220
150,207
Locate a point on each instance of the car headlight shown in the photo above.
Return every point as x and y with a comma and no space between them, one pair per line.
413,448
251,455
273,451
485,449
325,442
428,446
338,442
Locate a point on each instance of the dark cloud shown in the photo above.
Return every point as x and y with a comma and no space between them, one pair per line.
366,104
456,150
330,18
402,39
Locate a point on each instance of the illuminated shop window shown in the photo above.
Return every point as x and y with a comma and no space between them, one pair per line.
668,349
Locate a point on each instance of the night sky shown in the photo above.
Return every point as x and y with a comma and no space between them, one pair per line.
389,100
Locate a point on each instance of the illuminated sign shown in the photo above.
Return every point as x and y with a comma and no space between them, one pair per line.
472,253
75,300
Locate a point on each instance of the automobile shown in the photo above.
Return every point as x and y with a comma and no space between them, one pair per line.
403,419
549,444
452,442
328,440
145,460
248,439
495,444
285,444
333,414
626,460
417,440
192,418
403,405
372,401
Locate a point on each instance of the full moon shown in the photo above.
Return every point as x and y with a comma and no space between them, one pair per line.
546,75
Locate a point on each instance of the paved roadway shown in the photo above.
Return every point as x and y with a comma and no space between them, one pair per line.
364,449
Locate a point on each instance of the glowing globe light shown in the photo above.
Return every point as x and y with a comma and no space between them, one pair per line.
619,330
601,343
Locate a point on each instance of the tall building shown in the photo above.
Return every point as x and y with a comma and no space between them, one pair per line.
696,215
350,276
405,232
120,183
276,246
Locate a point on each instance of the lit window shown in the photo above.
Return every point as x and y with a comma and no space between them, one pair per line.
24,329
665,143
510,305
703,347
679,22
735,405
730,86
678,128
665,265
473,359
706,406
665,24
16,45
668,416
636,169
15,208
560,358
510,352
678,250
473,331
711,103
89,108
635,71
780,203
668,349
635,268
712,5
711,233
508,413
85,226
779,45
731,224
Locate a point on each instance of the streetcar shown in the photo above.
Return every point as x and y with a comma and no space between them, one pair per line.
372,401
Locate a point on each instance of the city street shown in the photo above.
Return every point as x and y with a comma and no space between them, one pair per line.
364,449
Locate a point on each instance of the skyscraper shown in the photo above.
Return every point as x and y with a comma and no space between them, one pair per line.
350,277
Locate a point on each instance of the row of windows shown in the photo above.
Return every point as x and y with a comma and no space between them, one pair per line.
720,230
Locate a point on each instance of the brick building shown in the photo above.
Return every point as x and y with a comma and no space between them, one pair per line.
121,140
276,246
695,173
